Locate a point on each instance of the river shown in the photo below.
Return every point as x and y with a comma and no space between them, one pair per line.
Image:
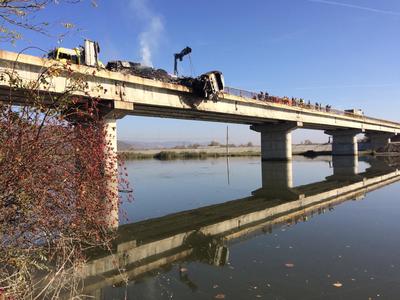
208,229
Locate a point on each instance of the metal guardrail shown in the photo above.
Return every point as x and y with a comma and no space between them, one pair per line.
240,93
295,102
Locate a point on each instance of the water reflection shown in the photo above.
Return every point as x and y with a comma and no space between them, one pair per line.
204,234
345,166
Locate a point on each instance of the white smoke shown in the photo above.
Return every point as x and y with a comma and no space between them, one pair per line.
149,38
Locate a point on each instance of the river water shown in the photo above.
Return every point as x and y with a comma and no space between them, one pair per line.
209,229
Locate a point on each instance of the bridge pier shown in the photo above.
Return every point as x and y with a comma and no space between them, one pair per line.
344,141
277,181
111,170
378,140
344,167
277,174
276,140
109,116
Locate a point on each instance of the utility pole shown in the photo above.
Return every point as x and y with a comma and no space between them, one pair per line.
227,154
227,141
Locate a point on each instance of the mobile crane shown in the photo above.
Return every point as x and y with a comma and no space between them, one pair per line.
179,56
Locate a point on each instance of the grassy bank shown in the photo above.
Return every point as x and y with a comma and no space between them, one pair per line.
171,155
216,152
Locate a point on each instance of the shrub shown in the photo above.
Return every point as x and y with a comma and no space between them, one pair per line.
55,173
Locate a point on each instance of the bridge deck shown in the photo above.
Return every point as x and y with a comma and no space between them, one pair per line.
140,96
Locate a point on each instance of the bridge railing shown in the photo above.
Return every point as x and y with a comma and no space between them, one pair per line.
297,103
240,93
281,100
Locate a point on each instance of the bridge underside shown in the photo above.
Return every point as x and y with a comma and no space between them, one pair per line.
132,95
276,142
196,115
125,108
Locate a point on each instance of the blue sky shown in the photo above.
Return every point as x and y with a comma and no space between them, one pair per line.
344,52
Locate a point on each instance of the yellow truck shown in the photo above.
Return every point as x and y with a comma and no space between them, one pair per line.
84,55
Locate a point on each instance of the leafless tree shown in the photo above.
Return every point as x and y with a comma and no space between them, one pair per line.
19,15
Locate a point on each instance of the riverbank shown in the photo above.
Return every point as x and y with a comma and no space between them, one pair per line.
215,152
170,154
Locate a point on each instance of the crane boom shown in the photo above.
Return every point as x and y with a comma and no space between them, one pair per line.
179,56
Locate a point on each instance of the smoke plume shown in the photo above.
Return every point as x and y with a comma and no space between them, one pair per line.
153,28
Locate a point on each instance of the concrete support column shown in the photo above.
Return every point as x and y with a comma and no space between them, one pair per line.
345,166
277,175
379,140
276,140
110,114
111,170
344,141
277,181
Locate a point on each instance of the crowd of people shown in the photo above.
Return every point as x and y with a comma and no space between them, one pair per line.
299,102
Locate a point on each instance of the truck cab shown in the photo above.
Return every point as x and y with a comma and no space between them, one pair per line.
66,55
84,55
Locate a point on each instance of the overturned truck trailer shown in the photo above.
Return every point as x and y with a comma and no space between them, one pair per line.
209,85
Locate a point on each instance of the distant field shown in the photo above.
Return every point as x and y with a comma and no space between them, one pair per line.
217,151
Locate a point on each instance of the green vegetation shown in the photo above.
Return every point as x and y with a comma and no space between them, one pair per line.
134,155
172,155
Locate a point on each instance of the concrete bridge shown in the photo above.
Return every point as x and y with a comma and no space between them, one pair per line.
204,234
132,95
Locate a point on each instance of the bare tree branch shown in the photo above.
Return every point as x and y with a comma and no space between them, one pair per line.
19,15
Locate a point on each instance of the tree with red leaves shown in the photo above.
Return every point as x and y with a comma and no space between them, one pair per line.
58,172
58,177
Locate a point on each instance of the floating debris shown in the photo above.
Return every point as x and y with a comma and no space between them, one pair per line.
289,265
337,284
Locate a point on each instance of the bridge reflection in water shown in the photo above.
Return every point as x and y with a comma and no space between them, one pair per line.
204,234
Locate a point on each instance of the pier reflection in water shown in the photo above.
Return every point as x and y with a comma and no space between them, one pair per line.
249,247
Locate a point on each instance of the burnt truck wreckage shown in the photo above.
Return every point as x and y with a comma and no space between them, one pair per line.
209,85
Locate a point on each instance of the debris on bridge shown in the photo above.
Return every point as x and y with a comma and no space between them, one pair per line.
209,85
137,69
